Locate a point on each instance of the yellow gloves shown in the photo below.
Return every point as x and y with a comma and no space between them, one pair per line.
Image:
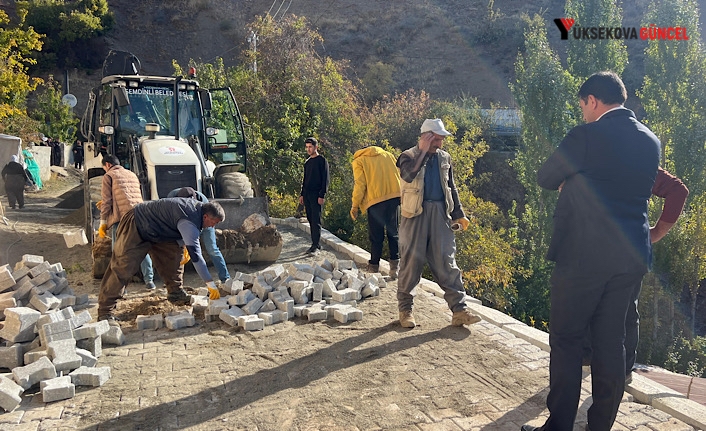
185,258
102,230
213,292
354,213
462,222
99,204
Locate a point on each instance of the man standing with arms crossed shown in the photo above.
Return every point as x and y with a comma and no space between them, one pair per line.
601,245
431,211
377,191
314,188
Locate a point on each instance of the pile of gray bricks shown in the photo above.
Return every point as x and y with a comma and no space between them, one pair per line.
324,291
43,340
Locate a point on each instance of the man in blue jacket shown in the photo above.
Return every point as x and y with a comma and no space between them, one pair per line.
163,227
605,170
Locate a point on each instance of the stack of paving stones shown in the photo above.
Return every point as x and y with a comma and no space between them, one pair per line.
45,342
325,291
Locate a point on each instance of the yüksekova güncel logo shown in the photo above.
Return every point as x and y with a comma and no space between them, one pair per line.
568,29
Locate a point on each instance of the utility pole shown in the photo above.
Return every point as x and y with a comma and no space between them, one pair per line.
252,40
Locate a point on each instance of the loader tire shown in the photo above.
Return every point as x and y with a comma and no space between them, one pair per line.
235,184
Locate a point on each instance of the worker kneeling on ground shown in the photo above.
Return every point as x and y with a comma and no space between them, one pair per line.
163,227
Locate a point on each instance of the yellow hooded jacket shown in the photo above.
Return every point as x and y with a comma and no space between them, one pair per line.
376,177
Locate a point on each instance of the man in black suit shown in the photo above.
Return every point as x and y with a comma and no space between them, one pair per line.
605,170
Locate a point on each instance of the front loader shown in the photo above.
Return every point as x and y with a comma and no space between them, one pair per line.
171,133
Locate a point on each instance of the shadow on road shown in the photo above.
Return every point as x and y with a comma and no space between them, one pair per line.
297,373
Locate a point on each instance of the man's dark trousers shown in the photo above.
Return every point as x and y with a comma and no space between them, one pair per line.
313,215
583,300
384,216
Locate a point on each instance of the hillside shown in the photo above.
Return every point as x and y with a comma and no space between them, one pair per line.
450,49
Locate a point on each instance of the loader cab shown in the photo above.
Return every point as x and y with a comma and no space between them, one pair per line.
208,121
225,138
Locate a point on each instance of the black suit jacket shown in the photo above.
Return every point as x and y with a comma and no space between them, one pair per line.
608,168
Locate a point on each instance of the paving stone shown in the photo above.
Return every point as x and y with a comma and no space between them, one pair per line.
178,321
19,324
370,290
230,316
61,330
42,279
114,336
251,323
93,330
31,374
58,388
34,355
11,356
20,272
328,287
66,299
316,313
45,302
10,394
260,288
234,286
39,269
87,358
347,315
148,322
345,295
252,307
215,306
63,355
272,317
23,289
31,260
93,345
7,281
50,317
80,319
90,376
268,305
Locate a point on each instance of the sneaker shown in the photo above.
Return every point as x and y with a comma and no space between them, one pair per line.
112,321
464,317
180,297
150,285
373,268
314,249
407,319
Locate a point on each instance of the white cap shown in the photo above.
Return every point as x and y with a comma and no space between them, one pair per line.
436,126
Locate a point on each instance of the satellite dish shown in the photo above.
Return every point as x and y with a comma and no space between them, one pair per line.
69,99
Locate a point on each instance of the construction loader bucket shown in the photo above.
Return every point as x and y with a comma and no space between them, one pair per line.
242,241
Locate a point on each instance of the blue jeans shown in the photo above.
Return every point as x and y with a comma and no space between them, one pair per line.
208,243
145,266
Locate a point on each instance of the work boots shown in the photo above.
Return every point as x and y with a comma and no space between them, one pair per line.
464,317
407,319
373,269
179,297
394,269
